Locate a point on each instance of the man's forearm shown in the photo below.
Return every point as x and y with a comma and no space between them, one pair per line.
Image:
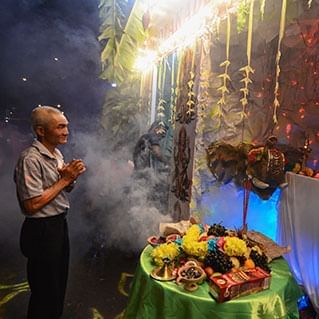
34,204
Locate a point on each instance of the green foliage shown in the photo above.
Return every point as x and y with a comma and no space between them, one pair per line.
113,18
121,36
242,14
121,117
122,42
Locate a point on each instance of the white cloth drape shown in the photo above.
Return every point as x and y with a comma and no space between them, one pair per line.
298,226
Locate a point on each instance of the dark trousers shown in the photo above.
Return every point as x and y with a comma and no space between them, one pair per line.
45,243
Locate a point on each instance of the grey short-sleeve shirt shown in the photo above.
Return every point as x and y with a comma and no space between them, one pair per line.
37,170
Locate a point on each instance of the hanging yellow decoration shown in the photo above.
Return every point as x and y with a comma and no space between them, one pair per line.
191,97
173,92
281,35
247,69
225,77
262,8
162,102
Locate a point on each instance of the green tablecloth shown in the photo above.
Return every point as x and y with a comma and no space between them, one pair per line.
152,299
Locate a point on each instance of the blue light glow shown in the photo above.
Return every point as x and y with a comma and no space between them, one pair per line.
224,204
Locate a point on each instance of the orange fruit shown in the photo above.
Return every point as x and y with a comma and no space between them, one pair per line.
209,271
249,263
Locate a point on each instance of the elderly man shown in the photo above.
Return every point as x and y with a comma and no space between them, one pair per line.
42,179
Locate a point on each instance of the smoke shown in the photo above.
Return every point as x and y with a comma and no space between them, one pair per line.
11,143
50,55
124,208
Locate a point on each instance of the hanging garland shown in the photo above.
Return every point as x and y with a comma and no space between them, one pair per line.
247,69
186,101
191,97
278,56
173,92
161,87
224,76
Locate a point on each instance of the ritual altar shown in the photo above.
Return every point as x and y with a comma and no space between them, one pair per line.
154,299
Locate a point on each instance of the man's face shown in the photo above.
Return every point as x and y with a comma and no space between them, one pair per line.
56,132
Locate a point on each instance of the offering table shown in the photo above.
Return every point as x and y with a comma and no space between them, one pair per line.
152,299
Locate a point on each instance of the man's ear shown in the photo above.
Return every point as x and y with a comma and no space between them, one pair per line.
39,131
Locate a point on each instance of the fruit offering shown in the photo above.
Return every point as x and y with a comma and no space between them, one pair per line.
218,261
217,230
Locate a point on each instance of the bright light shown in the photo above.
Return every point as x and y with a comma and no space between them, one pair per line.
145,61
186,35
196,26
56,59
193,28
24,79
58,106
113,85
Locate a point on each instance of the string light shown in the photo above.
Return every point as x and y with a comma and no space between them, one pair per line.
24,79
114,85
192,29
56,59
186,35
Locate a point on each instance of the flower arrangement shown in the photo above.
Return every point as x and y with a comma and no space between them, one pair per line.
191,244
235,246
164,251
216,249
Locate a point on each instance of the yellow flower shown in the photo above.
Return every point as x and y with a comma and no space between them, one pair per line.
191,245
234,246
167,250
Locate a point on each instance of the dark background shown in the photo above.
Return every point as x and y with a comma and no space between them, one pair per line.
50,55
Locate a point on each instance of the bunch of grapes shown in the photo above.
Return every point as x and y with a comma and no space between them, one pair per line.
260,260
216,230
218,261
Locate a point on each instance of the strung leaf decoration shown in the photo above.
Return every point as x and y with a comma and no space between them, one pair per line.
224,76
161,107
247,70
191,97
278,56
173,93
190,112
